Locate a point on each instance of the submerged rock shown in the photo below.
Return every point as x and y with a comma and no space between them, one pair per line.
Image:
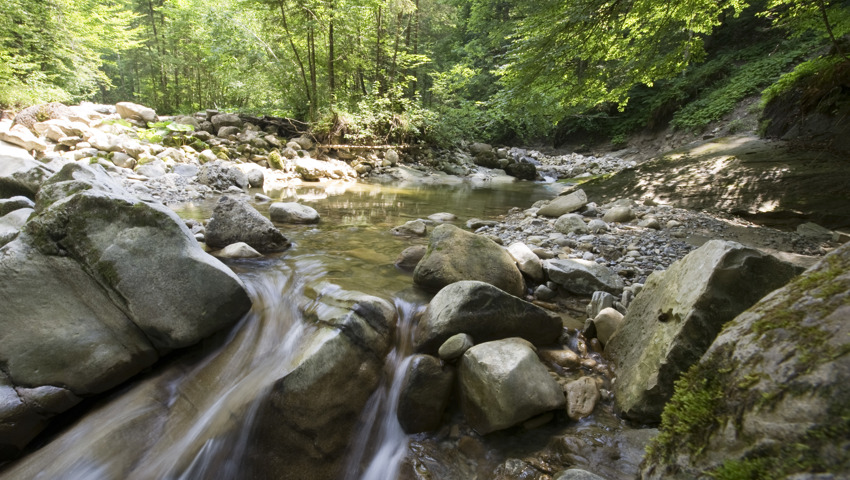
486,313
292,212
454,255
770,395
678,314
503,383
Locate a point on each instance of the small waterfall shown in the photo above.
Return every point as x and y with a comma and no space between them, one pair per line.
380,445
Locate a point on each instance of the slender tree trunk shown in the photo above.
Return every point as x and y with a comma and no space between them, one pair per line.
824,15
331,59
378,77
295,52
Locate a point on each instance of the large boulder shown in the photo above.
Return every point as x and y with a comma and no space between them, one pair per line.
20,136
234,220
305,423
97,286
313,170
226,120
292,212
454,255
11,224
769,398
219,176
503,383
677,315
583,277
424,394
134,111
486,313
20,174
29,116
564,204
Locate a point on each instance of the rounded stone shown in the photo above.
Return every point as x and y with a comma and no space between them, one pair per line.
455,346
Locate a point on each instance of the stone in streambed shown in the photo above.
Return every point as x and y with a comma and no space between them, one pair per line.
20,174
236,221
238,250
583,277
413,228
410,257
486,313
527,262
455,346
503,383
292,212
564,204
454,255
570,223
582,395
678,314
424,394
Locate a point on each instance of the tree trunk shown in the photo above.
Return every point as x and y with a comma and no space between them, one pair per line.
331,79
295,52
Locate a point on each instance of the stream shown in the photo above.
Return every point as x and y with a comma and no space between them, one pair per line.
191,415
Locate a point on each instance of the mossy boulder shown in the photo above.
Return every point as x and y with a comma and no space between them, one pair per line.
769,398
677,315
454,255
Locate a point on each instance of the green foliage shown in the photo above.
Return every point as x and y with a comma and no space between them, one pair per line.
817,66
156,132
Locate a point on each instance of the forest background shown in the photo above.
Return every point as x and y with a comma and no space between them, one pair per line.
432,71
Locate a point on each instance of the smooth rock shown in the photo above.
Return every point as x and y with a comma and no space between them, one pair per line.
14,203
410,257
576,474
678,314
236,221
563,357
11,224
134,111
454,255
582,277
607,322
238,250
527,262
619,215
424,394
484,312
503,384
20,174
21,137
442,217
455,346
292,212
564,204
412,228
226,120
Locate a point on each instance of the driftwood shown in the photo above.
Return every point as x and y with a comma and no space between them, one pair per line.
286,127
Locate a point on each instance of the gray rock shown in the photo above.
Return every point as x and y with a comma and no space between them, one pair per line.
413,228
599,301
527,262
564,204
226,120
20,174
484,312
454,255
305,142
503,384
256,177
313,170
650,222
305,424
582,277
597,226
571,223
522,170
424,394
291,212
121,159
219,176
810,229
29,116
11,224
236,221
607,322
442,217
21,137
455,346
476,223
678,314
151,170
188,120
410,257
582,395
543,292
186,170
391,156
619,215
134,111
14,203
238,250
770,395
228,132
477,148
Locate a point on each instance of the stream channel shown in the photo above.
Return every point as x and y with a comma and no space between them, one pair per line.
189,417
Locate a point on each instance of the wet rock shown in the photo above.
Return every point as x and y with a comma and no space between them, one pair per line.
564,204
304,424
424,394
476,223
455,346
528,263
235,221
410,257
515,469
571,223
582,395
292,212
503,384
413,228
576,474
238,250
678,314
563,357
442,217
770,395
454,255
134,111
484,312
522,170
582,277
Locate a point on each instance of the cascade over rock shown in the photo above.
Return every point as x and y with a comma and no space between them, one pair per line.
677,315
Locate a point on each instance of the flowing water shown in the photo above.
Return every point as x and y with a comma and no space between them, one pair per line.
190,416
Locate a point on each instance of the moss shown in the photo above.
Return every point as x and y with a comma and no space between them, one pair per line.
275,160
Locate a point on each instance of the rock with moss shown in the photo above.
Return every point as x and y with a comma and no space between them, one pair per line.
454,255
29,116
677,315
769,398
